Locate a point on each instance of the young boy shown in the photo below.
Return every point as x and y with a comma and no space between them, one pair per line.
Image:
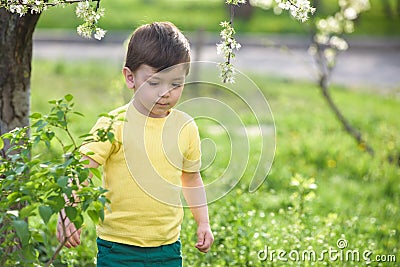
156,153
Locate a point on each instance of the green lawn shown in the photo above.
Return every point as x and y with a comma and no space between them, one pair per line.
356,196
195,14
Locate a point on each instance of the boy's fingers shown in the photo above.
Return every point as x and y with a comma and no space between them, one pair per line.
74,237
206,243
200,239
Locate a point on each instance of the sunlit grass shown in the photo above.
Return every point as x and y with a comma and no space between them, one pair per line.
193,15
356,197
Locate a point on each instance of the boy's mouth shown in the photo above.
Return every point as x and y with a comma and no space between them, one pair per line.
162,104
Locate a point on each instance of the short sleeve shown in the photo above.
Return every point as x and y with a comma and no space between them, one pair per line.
192,155
100,151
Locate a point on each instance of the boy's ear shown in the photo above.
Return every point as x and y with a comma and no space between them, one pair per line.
129,77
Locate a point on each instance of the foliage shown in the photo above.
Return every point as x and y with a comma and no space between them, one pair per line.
37,186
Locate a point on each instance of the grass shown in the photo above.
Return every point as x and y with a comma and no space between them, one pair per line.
356,196
195,14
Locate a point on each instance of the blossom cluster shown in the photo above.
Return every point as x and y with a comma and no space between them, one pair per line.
330,29
226,47
90,16
235,2
22,7
85,10
228,44
299,9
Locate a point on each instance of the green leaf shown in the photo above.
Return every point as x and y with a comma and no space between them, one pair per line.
29,253
56,202
94,216
22,230
27,211
1,143
78,221
13,196
79,114
62,181
45,212
60,115
110,136
86,135
104,115
71,212
101,214
96,172
35,115
69,97
68,147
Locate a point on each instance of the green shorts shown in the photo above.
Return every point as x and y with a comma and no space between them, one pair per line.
111,254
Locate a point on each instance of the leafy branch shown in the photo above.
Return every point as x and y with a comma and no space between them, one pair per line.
34,186
327,43
299,9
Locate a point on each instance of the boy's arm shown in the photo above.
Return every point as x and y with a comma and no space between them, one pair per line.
71,233
195,196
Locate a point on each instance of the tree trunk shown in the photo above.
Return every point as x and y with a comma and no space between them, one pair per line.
15,69
15,74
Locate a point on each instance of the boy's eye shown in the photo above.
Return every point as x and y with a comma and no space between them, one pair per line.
152,83
176,85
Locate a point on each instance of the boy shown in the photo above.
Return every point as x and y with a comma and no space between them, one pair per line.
157,151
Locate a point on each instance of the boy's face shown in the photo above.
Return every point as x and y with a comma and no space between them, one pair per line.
156,92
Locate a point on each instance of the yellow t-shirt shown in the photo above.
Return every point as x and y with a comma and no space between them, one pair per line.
142,172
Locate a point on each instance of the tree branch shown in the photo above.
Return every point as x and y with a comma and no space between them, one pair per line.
325,71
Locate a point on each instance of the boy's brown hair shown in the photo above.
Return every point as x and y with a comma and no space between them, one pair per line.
159,45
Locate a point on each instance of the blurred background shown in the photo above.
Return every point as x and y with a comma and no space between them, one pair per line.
322,186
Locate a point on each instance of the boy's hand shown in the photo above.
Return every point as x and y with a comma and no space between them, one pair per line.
205,237
73,235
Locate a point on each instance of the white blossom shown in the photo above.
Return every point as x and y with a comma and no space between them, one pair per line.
350,13
99,34
299,9
226,48
330,28
235,2
330,56
265,4
338,43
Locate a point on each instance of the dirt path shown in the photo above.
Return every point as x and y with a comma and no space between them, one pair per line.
369,63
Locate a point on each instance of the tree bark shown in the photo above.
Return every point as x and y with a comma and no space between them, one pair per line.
15,74
15,69
325,71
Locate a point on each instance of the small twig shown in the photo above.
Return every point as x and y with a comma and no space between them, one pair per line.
69,133
232,15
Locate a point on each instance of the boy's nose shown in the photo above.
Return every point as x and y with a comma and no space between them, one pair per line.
164,92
